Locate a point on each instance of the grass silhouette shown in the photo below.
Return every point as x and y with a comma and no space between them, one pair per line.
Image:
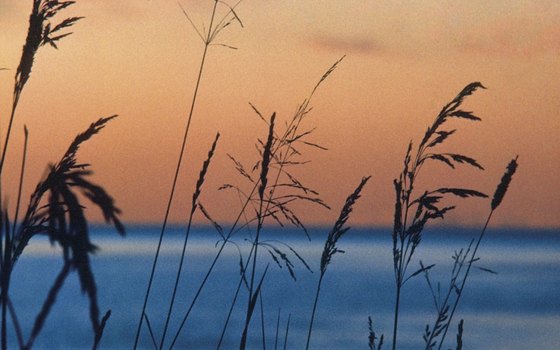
339,229
413,212
55,208
208,38
267,192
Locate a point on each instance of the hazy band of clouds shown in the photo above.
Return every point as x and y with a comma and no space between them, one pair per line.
357,45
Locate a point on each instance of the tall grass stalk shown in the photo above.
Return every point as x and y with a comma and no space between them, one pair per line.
21,176
496,201
265,163
262,321
6,265
413,213
288,139
339,229
63,220
39,33
175,177
6,242
54,209
48,304
208,39
287,332
230,312
194,206
281,154
277,334
206,277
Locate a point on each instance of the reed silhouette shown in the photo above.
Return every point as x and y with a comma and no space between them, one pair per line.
461,260
413,211
339,229
270,195
267,192
55,209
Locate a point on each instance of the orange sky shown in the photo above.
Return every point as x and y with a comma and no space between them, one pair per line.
405,60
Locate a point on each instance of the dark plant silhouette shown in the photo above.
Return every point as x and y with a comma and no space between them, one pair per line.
194,206
413,213
268,193
464,259
63,220
209,39
54,209
40,32
339,229
372,337
280,191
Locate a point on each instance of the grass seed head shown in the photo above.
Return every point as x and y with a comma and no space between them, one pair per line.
504,183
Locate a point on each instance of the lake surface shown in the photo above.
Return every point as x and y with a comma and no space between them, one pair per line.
518,308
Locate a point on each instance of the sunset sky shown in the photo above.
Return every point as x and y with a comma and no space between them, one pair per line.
404,61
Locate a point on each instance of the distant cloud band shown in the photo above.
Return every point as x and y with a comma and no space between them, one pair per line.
347,45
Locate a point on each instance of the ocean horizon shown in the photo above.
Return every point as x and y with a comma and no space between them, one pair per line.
518,307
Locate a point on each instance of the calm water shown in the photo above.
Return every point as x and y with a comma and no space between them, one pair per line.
519,308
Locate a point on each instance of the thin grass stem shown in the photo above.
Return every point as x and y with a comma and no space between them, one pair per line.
21,176
292,127
177,279
48,304
287,332
7,267
396,318
267,155
262,322
230,312
151,332
499,194
194,206
464,281
210,270
175,178
8,133
277,330
314,310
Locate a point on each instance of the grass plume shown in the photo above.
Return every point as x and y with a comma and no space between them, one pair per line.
413,213
499,195
194,206
460,336
504,184
265,164
39,33
56,211
372,337
330,249
55,208
284,149
463,260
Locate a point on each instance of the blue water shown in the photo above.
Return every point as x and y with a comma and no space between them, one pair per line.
518,308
